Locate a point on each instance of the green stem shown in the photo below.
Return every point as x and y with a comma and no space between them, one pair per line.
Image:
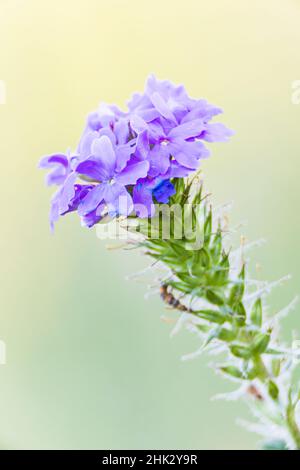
262,371
289,416
292,425
205,273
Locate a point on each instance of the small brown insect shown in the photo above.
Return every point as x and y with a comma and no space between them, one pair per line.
169,299
252,390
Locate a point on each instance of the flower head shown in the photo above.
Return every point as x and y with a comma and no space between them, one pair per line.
126,161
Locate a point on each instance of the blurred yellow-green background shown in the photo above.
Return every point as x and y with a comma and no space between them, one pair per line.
89,363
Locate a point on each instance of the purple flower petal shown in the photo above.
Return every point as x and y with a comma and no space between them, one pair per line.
159,157
142,145
103,150
113,191
94,121
188,161
92,200
216,132
149,114
93,217
93,169
201,110
67,192
143,203
187,130
121,131
163,191
80,192
138,124
195,148
109,133
177,171
59,164
123,154
121,205
85,144
57,158
132,173
54,209
56,176
162,107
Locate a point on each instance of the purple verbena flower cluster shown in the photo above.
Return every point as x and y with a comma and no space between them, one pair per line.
127,161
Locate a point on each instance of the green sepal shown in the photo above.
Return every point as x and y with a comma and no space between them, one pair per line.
274,352
260,343
232,371
240,314
211,335
203,328
227,335
179,250
237,291
256,313
276,366
201,259
253,373
220,277
216,248
273,390
214,298
213,316
240,350
208,227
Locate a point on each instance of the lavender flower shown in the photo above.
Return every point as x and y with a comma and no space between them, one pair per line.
177,143
113,176
130,159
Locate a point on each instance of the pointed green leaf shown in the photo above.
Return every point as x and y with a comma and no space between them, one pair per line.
276,366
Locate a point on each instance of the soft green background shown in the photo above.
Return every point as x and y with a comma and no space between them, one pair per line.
89,363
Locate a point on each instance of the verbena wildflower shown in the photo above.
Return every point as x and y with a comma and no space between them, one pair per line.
135,163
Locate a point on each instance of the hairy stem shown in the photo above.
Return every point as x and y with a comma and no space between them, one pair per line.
206,282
